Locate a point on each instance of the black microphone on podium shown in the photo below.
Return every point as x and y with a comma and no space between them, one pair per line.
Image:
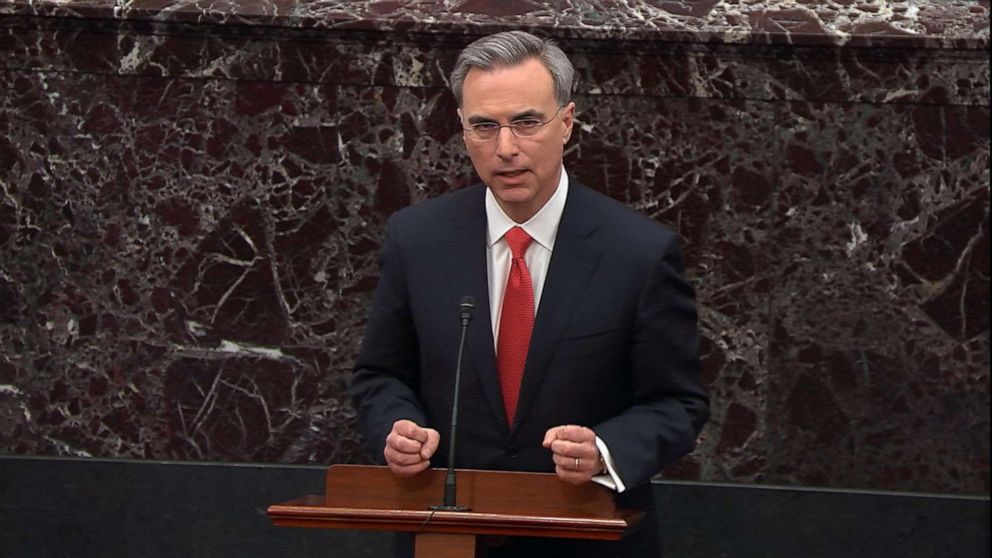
465,309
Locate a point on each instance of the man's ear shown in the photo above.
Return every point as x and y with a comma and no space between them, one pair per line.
568,119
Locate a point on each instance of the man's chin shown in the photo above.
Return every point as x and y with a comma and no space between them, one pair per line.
514,195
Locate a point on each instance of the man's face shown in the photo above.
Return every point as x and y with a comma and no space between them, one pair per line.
522,172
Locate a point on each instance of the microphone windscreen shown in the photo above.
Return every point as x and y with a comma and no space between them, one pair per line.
465,308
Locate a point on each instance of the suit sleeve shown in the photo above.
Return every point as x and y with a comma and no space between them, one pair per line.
386,375
670,405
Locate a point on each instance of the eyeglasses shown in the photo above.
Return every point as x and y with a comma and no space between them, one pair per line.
522,128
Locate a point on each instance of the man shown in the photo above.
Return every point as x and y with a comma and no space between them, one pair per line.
582,356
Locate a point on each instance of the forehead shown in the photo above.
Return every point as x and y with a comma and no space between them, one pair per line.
524,86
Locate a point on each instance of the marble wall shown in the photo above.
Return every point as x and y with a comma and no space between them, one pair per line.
192,198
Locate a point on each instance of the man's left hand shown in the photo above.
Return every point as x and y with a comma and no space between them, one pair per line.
575,454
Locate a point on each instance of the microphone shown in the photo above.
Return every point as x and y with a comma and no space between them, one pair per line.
465,309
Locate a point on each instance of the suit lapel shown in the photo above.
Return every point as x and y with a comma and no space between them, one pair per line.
576,256
469,276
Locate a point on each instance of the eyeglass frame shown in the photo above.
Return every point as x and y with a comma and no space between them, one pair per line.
471,131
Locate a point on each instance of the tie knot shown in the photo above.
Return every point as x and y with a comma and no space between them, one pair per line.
519,240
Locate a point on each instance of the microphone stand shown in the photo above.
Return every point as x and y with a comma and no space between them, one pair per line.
450,486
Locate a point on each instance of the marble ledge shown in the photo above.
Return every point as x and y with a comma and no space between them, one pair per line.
926,24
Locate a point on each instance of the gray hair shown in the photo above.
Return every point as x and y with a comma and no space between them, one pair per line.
509,48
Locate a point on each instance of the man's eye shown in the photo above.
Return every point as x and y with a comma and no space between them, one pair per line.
526,124
485,126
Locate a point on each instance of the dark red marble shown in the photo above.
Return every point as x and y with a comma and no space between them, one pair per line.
878,23
192,198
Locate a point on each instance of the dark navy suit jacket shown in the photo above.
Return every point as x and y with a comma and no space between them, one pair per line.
614,348
614,345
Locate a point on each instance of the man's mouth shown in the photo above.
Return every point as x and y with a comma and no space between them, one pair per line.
511,172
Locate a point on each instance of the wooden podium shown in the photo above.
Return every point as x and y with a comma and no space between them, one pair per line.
501,503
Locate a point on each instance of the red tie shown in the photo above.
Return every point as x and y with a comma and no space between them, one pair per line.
515,323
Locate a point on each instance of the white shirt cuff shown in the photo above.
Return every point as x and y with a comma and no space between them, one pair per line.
609,479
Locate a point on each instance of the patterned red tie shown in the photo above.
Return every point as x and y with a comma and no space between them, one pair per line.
515,323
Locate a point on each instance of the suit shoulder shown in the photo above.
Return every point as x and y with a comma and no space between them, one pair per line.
429,211
620,219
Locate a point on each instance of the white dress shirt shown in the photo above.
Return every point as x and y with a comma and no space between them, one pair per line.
543,228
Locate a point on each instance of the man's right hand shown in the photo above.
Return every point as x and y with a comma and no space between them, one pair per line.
409,448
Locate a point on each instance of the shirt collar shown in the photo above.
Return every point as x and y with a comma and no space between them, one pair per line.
542,227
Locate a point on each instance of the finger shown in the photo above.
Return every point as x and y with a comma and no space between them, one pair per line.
403,444
410,429
566,463
588,464
575,433
408,470
572,477
584,450
401,459
430,445
550,436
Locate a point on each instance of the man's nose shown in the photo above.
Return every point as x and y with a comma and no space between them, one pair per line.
506,142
